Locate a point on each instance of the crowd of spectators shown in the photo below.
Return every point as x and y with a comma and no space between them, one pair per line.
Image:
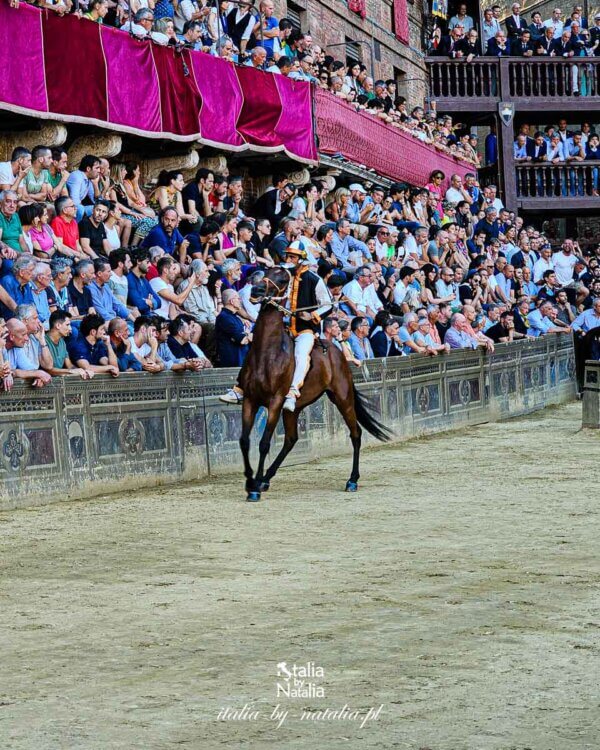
556,37
408,269
558,145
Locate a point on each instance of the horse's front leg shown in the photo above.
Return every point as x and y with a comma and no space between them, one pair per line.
274,410
248,414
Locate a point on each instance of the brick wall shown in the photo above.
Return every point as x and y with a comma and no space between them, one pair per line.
330,22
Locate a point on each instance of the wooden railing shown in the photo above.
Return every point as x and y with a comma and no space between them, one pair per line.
573,181
514,78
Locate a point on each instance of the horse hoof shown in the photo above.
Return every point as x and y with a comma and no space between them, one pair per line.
264,486
351,486
253,497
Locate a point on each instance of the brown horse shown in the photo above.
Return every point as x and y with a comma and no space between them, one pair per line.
266,378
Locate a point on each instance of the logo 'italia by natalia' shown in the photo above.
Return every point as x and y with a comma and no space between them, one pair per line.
298,680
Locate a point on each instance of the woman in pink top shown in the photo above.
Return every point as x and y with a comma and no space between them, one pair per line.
436,180
35,224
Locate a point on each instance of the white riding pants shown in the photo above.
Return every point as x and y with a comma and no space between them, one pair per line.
303,346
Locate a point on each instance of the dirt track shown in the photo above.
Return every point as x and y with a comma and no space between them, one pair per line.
469,607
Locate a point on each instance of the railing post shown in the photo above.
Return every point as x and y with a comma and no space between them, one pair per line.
506,155
503,79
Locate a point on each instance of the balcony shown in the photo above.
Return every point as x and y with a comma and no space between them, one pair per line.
534,84
571,186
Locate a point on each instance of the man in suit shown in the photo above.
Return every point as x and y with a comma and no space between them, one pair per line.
386,342
522,46
452,45
537,150
515,25
275,204
563,47
536,26
498,46
544,43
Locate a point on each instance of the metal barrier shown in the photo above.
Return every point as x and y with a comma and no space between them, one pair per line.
75,439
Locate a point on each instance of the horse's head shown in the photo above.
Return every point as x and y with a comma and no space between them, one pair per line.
273,285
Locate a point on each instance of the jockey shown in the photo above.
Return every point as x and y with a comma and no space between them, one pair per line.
307,290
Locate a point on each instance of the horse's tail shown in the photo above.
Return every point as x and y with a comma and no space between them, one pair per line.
362,408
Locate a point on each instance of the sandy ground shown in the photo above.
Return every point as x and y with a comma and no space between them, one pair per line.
468,608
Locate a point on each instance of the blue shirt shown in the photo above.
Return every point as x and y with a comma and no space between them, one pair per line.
22,295
270,23
405,336
343,247
519,152
586,321
40,300
80,187
459,339
538,324
18,359
105,303
361,348
80,348
158,236
138,290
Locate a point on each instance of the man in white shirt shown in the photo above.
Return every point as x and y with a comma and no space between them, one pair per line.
357,292
564,263
144,344
543,264
168,270
13,171
456,192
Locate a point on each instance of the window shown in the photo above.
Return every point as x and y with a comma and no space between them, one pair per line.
295,14
352,51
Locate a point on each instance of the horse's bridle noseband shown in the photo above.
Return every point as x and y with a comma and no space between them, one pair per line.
281,293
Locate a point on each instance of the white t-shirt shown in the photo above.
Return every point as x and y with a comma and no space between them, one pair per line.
454,196
158,285
564,265
6,174
139,351
540,268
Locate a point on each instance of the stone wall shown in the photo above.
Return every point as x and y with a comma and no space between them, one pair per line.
76,439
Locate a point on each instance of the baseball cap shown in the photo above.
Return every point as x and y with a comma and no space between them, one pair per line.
357,186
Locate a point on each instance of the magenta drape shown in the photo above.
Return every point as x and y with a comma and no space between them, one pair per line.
78,71
364,139
401,26
130,104
22,52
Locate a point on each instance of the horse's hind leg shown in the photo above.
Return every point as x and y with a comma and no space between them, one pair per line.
290,422
345,404
274,411
248,414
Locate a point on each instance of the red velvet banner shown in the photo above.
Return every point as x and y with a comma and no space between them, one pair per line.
74,70
401,27
364,139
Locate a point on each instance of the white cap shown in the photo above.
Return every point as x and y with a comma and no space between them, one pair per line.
357,186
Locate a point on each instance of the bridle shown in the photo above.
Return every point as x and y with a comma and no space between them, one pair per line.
280,292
